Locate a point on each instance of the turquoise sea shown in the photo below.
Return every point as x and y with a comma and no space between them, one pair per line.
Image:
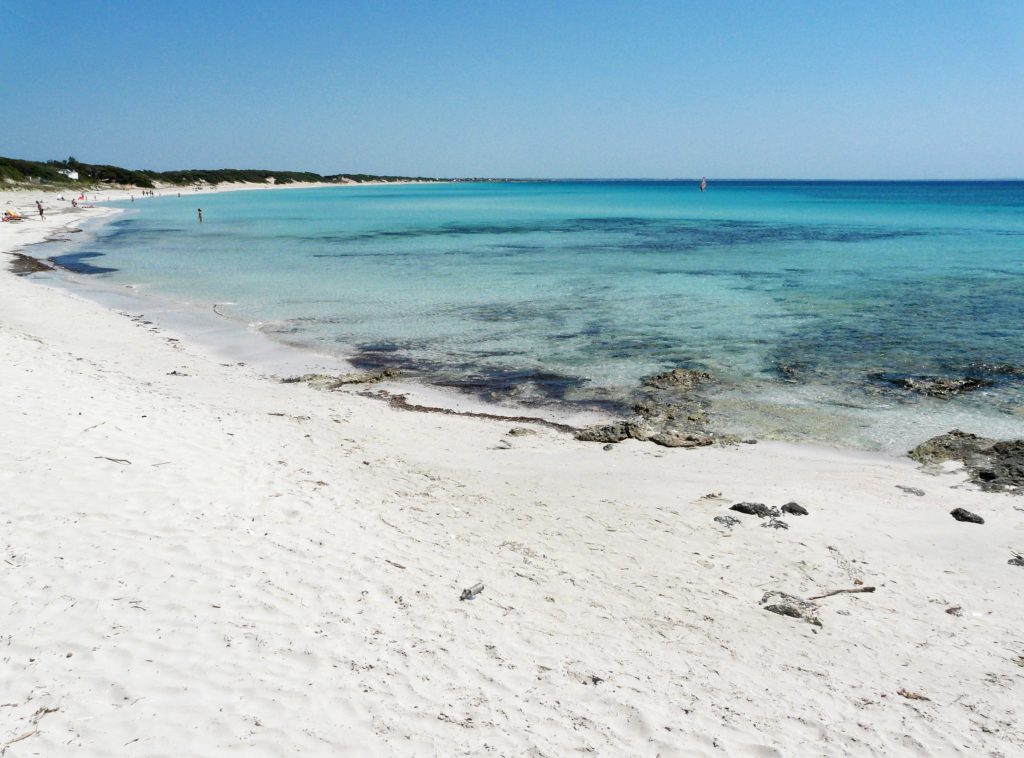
808,301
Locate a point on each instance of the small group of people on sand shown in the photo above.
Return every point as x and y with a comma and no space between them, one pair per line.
15,216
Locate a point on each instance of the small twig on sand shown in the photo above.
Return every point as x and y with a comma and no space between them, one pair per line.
35,723
19,738
838,592
122,461
396,565
407,535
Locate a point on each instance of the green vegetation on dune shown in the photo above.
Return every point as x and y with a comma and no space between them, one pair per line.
15,171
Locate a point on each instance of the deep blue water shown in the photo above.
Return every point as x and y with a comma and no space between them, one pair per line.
804,299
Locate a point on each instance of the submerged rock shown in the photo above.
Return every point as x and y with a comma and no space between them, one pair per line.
677,379
962,514
755,509
937,386
794,509
775,523
785,604
727,521
997,369
1016,560
996,466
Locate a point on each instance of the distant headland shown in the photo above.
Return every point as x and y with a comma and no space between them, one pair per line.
72,172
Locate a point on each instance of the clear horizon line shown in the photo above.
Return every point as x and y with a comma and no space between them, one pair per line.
754,179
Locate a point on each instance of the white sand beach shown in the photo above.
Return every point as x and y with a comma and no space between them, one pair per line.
199,560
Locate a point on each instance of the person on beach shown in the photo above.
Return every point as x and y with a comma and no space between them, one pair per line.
39,206
200,215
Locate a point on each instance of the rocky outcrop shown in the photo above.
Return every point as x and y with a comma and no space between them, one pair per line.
333,382
794,509
994,465
951,446
643,432
1006,466
755,509
669,412
675,438
962,514
611,433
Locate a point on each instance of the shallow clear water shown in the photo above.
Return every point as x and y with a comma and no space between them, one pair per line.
803,299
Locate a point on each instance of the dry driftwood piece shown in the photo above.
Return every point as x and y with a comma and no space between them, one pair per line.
839,592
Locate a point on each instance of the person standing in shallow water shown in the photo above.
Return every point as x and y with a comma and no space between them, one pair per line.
200,215
703,183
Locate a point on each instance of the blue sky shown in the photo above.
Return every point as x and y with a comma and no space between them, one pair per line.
529,89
